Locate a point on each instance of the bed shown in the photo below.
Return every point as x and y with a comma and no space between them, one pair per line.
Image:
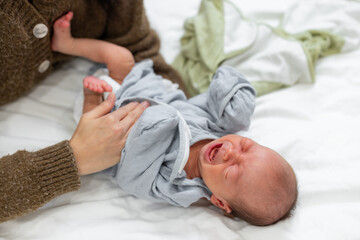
315,126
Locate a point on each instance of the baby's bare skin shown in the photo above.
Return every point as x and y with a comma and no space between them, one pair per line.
118,59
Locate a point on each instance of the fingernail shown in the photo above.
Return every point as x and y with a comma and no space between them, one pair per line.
110,97
145,103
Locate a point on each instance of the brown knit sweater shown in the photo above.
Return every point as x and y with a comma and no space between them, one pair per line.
29,180
26,30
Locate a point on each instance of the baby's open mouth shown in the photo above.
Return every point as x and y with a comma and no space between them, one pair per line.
214,151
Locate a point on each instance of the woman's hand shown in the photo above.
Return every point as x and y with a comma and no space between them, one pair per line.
100,136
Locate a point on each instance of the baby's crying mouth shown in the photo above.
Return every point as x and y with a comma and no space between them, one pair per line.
214,151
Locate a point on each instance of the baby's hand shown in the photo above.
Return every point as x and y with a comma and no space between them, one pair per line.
96,85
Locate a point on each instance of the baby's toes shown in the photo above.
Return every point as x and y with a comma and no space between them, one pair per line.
105,86
69,16
57,24
88,81
65,24
61,23
94,87
99,89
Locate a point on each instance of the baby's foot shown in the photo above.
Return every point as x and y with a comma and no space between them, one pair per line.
96,85
62,38
91,100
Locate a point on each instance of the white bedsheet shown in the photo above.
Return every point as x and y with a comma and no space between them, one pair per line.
315,127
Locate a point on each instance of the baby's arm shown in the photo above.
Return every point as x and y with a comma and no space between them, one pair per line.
230,100
119,60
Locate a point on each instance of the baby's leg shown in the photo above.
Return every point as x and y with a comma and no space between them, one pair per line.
91,100
96,85
121,63
119,60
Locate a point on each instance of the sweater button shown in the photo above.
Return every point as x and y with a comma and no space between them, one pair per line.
40,30
44,66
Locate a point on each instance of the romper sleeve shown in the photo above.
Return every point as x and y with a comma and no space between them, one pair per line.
229,101
28,180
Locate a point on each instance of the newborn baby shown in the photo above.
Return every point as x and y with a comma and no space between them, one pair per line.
180,150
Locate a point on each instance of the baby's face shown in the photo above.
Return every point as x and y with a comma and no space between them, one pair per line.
235,166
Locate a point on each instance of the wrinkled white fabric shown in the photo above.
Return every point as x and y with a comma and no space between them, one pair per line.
315,127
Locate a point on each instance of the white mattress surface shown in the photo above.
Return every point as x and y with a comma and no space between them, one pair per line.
316,127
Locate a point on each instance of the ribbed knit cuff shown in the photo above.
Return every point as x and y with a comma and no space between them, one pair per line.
57,170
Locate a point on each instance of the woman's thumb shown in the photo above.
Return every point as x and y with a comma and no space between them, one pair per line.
104,108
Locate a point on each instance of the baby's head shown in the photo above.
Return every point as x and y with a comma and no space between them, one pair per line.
249,180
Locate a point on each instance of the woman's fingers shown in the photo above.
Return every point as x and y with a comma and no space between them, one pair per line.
97,142
128,121
132,111
124,111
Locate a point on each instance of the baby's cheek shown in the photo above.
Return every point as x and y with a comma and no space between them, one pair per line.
212,172
233,174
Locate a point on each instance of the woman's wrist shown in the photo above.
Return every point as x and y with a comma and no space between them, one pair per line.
78,159
58,164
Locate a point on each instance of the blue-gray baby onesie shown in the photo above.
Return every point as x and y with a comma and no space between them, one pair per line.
157,148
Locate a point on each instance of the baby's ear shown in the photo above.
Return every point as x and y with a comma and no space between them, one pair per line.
220,203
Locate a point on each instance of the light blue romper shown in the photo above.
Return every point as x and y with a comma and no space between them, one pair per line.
157,148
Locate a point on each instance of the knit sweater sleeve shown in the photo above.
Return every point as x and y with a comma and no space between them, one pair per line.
128,26
28,180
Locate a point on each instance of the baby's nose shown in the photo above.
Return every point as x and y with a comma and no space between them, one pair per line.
228,151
